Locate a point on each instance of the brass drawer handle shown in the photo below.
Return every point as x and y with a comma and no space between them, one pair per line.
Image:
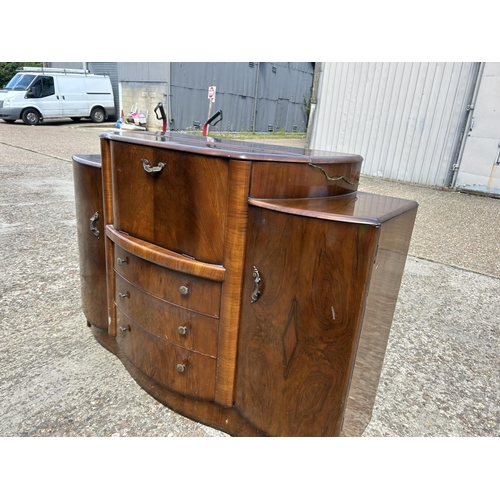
123,329
184,290
181,368
182,330
339,178
123,295
148,168
256,279
92,225
122,261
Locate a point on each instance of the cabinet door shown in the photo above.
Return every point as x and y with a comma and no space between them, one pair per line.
87,178
180,207
298,339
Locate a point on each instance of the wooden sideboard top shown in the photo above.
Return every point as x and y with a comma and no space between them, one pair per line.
93,160
230,148
357,207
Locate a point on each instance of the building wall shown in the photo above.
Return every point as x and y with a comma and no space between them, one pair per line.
406,119
259,96
262,96
110,69
142,86
143,71
479,168
144,97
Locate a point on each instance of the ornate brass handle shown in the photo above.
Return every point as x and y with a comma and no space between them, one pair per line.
148,168
92,225
339,178
256,290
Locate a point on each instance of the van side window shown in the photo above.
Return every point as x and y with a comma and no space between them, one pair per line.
43,87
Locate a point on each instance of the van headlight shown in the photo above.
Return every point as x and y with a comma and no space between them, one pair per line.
6,103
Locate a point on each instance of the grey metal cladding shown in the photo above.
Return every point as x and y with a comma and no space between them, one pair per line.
236,84
67,65
283,91
142,71
110,69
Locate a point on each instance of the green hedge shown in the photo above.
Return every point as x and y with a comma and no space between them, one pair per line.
9,69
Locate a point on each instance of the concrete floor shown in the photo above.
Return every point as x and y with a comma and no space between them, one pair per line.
441,375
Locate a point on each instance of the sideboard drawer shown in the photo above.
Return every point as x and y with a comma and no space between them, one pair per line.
183,327
182,289
181,207
178,369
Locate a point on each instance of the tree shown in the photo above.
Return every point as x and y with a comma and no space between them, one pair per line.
9,69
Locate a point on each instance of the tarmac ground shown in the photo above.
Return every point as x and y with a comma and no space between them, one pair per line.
441,374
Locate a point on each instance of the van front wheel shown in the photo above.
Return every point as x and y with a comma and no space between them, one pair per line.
31,117
97,115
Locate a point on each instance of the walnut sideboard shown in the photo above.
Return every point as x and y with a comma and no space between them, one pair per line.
248,287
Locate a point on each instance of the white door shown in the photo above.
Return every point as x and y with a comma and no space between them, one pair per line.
479,169
73,95
43,95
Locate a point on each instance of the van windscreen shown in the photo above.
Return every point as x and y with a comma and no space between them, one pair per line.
19,82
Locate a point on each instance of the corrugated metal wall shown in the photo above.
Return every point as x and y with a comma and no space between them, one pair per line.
282,89
143,71
265,96
110,69
67,65
235,83
405,119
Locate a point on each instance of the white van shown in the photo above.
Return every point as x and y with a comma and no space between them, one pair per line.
35,94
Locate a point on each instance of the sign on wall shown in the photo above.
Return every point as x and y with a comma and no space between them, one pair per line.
211,93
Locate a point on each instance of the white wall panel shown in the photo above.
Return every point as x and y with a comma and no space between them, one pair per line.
479,168
406,119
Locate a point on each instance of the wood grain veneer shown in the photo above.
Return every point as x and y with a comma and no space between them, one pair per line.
108,219
164,257
158,358
303,356
200,332
299,180
87,177
202,295
356,208
298,340
234,257
227,419
385,283
182,207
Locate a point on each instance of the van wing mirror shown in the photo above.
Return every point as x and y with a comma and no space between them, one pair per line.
34,92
